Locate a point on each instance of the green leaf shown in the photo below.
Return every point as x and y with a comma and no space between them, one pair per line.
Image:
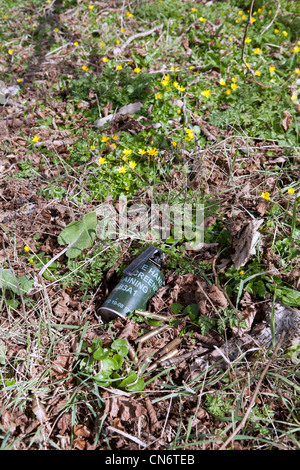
192,311
120,346
18,285
79,235
101,354
132,376
137,387
176,308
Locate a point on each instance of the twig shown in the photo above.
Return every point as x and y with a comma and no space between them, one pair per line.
252,402
276,13
128,436
118,50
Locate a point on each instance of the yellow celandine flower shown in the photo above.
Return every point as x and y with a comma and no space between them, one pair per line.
152,151
132,164
35,138
284,33
293,97
55,30
104,139
142,152
241,273
202,20
165,81
127,189
266,196
272,69
102,160
276,31
248,40
180,88
92,147
238,20
252,20
85,68
118,41
122,30
194,9
127,152
297,71
228,92
240,12
291,190
19,80
137,70
234,79
233,86
122,170
105,59
124,158
174,69
101,44
258,73
76,44
257,50
230,39
130,15
244,17
91,7
178,111
10,51
158,96
295,49
206,93
174,144
119,67
26,248
222,81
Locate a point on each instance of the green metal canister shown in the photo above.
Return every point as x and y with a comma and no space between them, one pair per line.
141,279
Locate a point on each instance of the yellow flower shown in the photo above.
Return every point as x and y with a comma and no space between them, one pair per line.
230,39
132,164
284,33
137,70
122,169
295,49
266,196
291,190
272,69
194,9
276,31
258,73
10,51
127,189
165,81
234,79
118,41
55,30
180,88
119,67
257,50
240,12
244,17
202,20
127,152
105,59
102,160
174,144
206,93
101,44
152,151
26,248
76,44
122,30
178,111
174,69
293,97
233,86
158,96
35,138
297,71
104,139
85,68
130,15
91,7
222,82
19,80
241,273
252,20
92,147
228,92
248,40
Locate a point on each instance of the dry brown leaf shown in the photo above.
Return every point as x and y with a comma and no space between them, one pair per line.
246,243
39,410
217,296
287,120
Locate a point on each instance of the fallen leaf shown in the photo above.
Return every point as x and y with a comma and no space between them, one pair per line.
287,120
128,109
244,245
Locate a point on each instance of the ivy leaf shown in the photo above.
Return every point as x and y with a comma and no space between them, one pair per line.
79,235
